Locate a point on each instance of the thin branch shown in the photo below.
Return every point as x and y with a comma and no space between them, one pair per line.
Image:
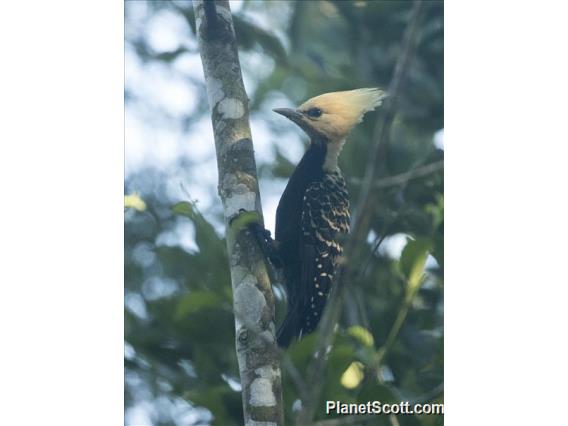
376,247
398,180
431,395
405,177
360,221
397,325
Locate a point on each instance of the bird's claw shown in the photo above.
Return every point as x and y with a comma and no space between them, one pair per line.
261,231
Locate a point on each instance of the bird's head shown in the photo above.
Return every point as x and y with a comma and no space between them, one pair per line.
331,116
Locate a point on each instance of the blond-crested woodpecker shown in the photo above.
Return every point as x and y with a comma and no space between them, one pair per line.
314,208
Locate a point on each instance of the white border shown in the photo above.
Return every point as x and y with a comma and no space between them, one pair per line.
61,224
61,171
506,148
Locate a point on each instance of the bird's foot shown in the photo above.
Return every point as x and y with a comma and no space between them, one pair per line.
268,246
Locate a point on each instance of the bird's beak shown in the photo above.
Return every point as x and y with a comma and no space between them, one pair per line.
290,113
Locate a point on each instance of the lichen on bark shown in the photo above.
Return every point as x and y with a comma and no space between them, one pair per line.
238,189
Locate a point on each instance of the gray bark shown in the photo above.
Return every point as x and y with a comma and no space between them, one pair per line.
253,300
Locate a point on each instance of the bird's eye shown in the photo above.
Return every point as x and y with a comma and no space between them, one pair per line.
313,112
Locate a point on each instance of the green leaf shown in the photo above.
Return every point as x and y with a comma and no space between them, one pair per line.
362,335
184,208
240,222
436,210
205,233
216,399
244,219
340,358
195,301
375,391
413,258
342,355
301,352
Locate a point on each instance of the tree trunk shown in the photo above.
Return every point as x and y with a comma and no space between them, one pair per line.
253,300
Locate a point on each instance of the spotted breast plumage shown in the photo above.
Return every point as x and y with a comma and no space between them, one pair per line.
325,215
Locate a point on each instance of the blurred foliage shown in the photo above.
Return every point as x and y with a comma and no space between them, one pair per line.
180,363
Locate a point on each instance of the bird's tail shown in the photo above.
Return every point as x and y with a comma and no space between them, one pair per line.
289,329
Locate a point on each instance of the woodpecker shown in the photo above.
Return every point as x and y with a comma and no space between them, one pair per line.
313,211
